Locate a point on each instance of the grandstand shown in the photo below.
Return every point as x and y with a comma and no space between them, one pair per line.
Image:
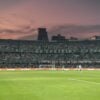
32,54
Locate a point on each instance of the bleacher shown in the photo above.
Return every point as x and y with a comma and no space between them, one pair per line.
20,53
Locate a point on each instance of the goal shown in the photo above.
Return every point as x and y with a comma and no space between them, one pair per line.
47,66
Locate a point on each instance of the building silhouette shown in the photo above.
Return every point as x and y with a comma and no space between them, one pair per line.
58,38
95,38
42,34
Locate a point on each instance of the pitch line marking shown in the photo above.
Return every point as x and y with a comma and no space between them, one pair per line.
91,82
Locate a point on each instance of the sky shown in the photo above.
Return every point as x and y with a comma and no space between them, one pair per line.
19,19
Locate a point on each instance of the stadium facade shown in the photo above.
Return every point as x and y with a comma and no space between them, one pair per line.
59,51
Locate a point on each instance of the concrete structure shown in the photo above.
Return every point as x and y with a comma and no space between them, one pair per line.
42,34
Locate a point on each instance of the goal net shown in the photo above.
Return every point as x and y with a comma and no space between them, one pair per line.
47,66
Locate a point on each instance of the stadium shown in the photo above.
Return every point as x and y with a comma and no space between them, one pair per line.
47,70
58,53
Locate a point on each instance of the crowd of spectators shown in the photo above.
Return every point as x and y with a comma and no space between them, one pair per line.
32,53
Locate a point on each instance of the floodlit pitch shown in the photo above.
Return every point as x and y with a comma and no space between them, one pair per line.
50,85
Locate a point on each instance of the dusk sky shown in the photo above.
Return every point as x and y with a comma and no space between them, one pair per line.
19,19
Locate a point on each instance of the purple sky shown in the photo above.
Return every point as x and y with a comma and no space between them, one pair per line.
19,19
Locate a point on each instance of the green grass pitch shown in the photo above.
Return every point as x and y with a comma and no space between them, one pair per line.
49,85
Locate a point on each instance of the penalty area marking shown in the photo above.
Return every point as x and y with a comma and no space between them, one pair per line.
90,82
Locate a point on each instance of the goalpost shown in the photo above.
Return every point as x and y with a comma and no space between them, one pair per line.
47,66
51,66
